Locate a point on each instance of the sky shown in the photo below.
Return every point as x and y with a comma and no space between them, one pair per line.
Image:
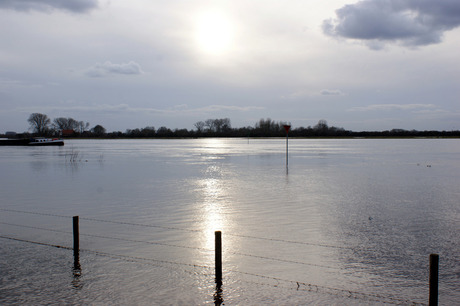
362,65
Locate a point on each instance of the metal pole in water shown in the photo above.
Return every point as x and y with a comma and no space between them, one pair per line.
76,243
287,128
434,278
287,150
218,250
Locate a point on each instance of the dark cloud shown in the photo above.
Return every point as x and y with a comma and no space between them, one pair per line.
76,6
408,22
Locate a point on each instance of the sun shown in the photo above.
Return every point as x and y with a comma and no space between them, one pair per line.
213,33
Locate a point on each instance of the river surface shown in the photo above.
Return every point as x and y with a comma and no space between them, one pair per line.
348,222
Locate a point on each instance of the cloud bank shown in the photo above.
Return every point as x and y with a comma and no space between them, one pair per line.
75,6
108,68
124,108
410,23
331,92
388,107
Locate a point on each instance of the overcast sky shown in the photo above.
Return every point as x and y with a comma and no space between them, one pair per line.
360,65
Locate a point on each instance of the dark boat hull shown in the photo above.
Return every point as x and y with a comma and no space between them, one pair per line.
30,142
14,142
46,143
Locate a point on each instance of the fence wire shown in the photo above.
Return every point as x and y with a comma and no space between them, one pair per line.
178,229
287,284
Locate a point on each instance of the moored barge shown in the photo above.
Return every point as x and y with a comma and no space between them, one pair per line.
36,141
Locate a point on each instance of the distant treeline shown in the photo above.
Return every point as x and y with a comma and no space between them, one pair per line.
41,125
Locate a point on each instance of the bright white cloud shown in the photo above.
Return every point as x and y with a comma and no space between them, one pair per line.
407,22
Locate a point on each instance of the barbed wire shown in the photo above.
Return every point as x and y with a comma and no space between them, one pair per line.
34,213
291,241
107,237
100,220
172,245
303,286
150,262
36,242
198,231
177,228
143,225
105,253
345,294
317,288
285,260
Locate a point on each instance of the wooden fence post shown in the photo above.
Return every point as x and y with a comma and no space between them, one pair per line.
218,250
434,278
76,243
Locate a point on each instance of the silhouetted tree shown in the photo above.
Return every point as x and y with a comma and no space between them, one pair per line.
148,131
199,126
269,128
164,132
98,130
62,123
82,126
209,124
222,125
321,126
39,123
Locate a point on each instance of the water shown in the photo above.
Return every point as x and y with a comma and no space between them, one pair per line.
350,222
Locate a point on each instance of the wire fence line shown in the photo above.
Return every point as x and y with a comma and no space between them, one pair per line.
119,256
285,260
108,237
305,287
300,286
291,284
291,241
143,225
106,254
100,220
179,229
34,213
37,242
171,245
182,246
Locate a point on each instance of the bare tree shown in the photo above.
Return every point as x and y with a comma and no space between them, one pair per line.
268,125
39,123
222,125
210,124
321,126
62,123
199,126
82,126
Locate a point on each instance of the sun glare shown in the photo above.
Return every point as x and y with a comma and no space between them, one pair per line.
214,33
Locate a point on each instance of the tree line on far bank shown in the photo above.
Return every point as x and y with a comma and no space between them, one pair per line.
41,125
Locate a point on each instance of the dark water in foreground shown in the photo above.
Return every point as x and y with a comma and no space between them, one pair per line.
351,222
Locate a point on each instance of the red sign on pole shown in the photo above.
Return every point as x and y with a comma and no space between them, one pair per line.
287,128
